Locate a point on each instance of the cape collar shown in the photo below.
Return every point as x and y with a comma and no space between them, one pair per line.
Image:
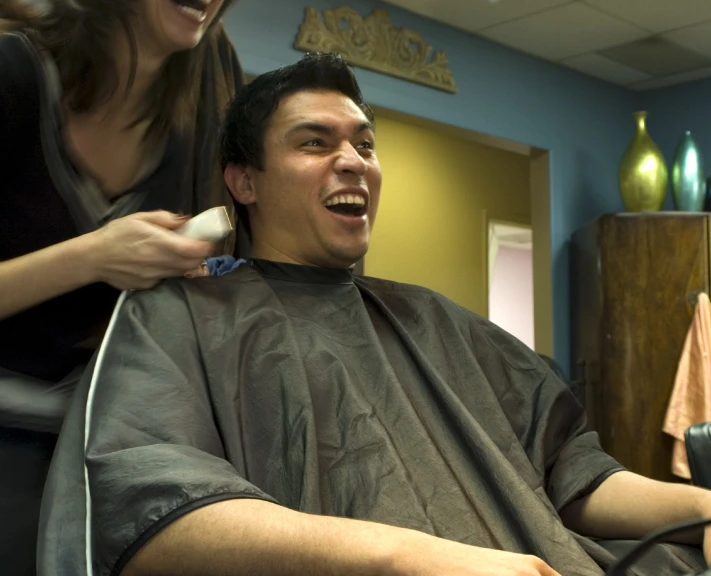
301,274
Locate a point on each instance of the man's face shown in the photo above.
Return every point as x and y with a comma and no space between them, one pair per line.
316,200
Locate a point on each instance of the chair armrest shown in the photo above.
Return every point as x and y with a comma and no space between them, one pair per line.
698,449
33,404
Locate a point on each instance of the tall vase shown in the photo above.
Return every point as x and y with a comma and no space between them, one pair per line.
688,178
643,172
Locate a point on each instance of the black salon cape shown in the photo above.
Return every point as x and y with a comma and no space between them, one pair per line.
358,398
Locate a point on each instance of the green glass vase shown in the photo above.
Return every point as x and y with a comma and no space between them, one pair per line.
643,172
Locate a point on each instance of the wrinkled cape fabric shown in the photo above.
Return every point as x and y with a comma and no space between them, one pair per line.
358,398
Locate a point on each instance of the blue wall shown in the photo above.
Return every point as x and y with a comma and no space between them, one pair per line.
585,123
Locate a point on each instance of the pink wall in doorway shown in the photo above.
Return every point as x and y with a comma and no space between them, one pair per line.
511,293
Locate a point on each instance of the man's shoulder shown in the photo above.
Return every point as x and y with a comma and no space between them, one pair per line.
423,298
177,291
384,286
436,309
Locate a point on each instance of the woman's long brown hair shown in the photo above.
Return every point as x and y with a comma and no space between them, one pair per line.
79,34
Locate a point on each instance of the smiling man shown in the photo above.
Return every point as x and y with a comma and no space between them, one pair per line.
291,419
309,187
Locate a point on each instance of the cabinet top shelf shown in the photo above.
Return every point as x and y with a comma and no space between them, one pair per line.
662,214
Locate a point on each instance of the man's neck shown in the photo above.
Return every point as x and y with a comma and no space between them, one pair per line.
262,251
267,252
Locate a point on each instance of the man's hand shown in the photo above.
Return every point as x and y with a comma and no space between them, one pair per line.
429,556
705,512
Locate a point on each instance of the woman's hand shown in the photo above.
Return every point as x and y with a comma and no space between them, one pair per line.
137,251
199,272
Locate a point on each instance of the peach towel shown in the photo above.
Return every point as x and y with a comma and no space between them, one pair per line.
690,401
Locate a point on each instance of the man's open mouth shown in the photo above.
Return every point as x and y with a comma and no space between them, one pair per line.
347,205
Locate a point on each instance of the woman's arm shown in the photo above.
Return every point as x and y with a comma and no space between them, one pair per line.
40,276
134,252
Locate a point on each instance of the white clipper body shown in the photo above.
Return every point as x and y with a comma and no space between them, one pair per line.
212,225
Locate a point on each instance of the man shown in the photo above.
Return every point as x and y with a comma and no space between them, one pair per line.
290,419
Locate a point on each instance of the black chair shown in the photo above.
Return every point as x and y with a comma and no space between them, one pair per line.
698,450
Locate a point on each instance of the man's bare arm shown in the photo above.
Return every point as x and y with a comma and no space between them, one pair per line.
629,506
257,538
222,539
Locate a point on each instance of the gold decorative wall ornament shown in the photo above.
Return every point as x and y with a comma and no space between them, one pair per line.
375,43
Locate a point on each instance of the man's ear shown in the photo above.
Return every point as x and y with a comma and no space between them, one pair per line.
240,184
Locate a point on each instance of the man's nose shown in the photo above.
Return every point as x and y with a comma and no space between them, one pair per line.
349,160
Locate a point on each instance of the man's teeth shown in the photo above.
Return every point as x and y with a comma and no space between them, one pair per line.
346,199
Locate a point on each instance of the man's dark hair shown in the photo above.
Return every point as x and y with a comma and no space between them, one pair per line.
246,117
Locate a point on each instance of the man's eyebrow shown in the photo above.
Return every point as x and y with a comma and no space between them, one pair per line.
364,127
325,129
311,127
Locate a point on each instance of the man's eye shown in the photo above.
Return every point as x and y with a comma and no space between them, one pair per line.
367,144
314,143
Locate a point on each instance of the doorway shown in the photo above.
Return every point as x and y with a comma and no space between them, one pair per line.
442,186
511,280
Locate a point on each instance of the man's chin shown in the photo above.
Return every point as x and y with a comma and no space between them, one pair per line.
346,258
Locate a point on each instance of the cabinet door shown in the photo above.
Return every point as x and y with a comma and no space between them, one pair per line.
651,265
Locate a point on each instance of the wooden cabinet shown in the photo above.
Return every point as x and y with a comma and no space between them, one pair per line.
633,286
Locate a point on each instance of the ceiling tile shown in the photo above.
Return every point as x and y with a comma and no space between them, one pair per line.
671,80
697,38
606,69
473,15
656,15
563,32
657,56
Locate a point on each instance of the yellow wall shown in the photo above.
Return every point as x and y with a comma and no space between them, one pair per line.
438,193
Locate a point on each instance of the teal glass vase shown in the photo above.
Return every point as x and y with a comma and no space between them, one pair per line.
688,178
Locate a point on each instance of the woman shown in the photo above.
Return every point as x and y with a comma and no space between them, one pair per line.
108,119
